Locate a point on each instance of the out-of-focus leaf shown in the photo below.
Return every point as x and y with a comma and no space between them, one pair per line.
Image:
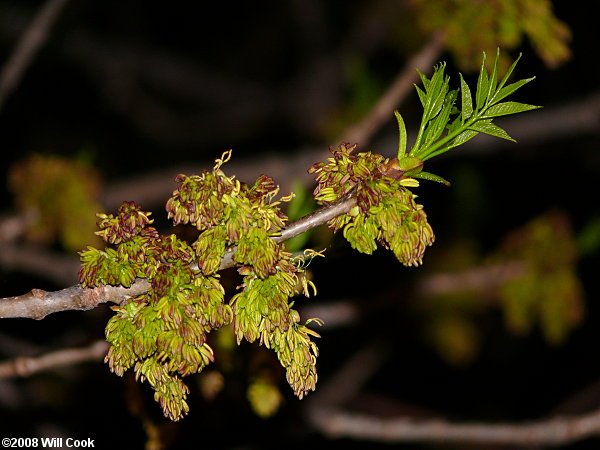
549,292
455,338
264,397
471,27
61,195
588,239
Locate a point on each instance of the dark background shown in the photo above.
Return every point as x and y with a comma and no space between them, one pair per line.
149,87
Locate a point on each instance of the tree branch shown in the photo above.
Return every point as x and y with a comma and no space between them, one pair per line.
479,279
37,303
325,413
553,431
29,43
24,366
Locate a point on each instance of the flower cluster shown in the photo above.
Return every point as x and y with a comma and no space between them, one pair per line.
262,312
231,214
162,334
385,211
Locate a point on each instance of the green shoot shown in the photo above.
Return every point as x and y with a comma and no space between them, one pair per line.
445,126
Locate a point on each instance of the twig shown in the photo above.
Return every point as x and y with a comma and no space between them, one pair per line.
29,43
553,431
477,279
24,366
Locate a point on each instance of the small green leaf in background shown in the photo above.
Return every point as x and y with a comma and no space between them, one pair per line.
211,383
455,337
264,397
451,321
362,88
482,92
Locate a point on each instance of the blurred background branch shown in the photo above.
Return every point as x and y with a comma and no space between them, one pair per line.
29,43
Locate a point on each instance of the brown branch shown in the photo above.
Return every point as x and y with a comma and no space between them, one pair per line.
481,280
553,431
24,366
318,217
37,303
30,42
324,411
477,279
582,116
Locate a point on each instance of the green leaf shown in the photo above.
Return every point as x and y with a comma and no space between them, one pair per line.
508,90
458,140
424,79
422,96
482,85
491,129
456,126
493,80
509,73
438,124
436,92
466,99
402,132
464,137
430,177
506,108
